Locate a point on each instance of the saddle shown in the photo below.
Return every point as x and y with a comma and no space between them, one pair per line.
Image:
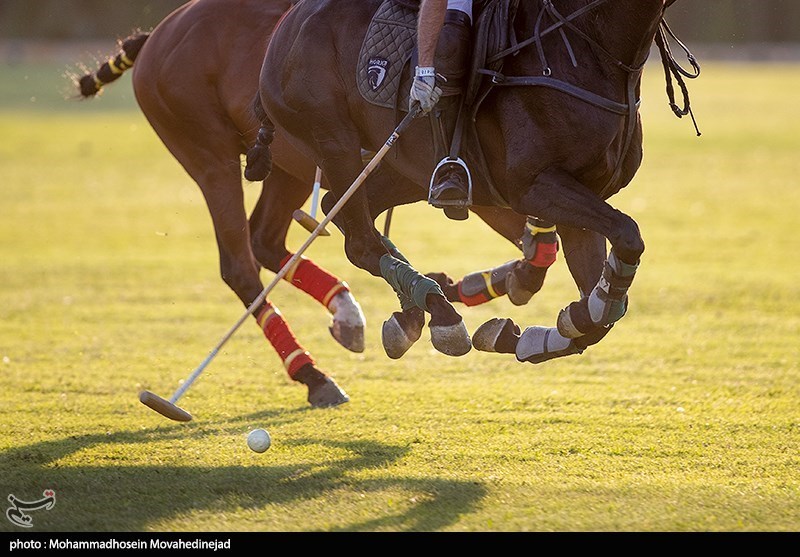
388,55
388,52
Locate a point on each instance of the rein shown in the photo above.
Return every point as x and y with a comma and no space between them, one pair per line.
629,108
672,68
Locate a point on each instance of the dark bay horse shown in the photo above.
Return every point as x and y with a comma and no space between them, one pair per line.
553,129
195,77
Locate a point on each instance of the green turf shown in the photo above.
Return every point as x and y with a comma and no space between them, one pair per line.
685,418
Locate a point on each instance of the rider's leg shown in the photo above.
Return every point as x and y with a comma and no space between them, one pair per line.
450,183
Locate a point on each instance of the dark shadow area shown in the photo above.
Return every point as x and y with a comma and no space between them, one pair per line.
122,498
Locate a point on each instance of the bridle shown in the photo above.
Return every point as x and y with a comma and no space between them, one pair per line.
628,108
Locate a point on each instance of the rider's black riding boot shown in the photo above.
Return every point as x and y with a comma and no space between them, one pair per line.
449,187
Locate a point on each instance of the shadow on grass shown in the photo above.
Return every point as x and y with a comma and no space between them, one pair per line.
125,498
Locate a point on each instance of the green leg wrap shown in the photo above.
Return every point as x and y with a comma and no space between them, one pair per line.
388,244
408,281
406,302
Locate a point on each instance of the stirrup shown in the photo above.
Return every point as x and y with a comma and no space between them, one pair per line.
444,203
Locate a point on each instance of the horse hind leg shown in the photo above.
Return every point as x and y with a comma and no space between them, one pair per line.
519,279
587,321
220,181
607,303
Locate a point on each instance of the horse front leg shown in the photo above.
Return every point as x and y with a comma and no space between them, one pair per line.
585,222
368,250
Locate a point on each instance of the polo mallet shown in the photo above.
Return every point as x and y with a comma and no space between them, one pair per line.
309,222
169,408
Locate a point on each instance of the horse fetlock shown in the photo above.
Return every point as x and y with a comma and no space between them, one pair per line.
443,314
539,344
450,289
499,335
452,340
605,305
575,320
608,301
407,282
524,281
347,310
592,337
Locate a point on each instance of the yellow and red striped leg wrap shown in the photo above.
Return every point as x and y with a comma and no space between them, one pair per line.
540,243
484,286
314,280
278,333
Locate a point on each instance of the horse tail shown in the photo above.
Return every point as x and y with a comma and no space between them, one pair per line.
91,83
259,157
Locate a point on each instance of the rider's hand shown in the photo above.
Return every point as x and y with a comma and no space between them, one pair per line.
424,89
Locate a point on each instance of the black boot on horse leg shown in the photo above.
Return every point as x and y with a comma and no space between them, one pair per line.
451,184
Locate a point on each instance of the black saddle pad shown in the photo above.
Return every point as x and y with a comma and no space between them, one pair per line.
385,53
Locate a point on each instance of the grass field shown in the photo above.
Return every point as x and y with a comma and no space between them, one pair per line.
685,418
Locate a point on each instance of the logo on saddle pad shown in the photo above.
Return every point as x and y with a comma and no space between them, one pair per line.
376,71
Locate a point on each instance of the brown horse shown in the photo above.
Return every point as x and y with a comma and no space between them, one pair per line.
552,128
195,77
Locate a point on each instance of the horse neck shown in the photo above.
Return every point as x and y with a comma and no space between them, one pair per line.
625,29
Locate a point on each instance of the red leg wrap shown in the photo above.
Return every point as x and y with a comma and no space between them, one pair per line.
278,333
545,255
314,281
476,300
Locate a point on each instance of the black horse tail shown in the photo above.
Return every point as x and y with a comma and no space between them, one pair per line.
259,157
91,83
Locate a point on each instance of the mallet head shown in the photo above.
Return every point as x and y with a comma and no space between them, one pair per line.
164,407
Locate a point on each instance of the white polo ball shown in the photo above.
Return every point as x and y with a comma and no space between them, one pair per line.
258,440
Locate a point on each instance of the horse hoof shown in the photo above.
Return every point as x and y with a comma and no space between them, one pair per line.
351,338
327,394
497,335
396,340
348,322
452,340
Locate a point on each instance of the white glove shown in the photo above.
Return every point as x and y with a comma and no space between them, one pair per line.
424,89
